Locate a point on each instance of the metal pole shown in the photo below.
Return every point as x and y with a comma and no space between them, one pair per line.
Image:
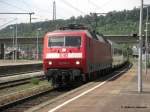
12,32
4,51
140,50
54,10
13,43
37,46
16,46
146,43
30,17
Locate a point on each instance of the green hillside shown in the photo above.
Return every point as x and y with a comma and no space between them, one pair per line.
114,23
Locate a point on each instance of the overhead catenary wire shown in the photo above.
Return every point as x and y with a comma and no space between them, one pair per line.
4,2
95,5
8,23
26,4
101,6
71,6
38,9
106,3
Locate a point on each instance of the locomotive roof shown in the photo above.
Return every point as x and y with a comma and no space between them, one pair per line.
80,28
70,31
88,33
115,45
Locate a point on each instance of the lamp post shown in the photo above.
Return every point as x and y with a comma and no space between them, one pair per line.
140,50
37,44
146,40
12,28
146,47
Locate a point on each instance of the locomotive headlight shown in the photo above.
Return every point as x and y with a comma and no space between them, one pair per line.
77,62
50,62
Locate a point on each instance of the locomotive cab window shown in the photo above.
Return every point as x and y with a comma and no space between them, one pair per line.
72,41
66,41
56,42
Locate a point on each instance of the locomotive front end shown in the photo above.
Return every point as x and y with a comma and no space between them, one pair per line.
63,57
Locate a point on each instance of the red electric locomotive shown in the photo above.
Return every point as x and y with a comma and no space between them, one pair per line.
74,53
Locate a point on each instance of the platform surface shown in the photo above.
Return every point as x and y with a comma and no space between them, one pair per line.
21,76
18,62
119,94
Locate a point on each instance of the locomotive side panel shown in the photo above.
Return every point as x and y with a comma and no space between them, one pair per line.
89,56
98,55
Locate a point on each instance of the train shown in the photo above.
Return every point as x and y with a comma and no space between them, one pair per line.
75,53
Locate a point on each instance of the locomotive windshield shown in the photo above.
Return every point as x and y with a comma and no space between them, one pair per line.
56,41
66,41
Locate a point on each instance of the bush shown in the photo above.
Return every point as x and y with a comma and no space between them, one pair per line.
35,81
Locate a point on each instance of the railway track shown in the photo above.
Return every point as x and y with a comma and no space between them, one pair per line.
18,82
25,103
6,75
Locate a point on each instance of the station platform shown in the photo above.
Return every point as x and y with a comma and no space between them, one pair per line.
116,94
20,77
9,67
18,62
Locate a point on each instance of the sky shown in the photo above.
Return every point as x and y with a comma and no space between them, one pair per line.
43,9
